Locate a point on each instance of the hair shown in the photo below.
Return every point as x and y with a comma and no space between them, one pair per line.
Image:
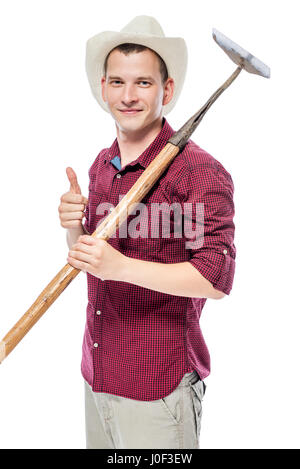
129,48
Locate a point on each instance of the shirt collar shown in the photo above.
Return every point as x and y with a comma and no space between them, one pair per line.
151,151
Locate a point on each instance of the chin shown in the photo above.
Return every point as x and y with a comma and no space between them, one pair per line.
130,124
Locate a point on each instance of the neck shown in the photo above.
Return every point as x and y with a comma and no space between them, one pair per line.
133,144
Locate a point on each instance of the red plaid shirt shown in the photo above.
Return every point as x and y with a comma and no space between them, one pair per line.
138,343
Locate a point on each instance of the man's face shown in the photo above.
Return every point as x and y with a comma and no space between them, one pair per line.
134,91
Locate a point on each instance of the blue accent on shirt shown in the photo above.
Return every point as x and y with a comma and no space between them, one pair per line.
116,161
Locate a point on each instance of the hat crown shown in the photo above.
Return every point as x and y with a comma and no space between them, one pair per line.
144,25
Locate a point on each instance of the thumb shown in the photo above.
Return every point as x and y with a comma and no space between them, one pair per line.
74,186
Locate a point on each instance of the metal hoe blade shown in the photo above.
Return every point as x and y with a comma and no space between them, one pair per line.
244,60
240,56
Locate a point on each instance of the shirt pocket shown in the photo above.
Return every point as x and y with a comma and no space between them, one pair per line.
162,228
197,394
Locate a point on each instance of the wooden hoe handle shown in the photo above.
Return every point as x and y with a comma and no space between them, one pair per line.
104,231
111,223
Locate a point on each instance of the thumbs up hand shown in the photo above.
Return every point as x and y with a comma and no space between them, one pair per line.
74,186
72,203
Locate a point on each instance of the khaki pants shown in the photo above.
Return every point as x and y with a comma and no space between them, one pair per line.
171,422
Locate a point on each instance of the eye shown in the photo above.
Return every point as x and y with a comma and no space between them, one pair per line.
144,83
115,82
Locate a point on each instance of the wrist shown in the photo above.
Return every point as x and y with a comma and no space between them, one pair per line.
125,267
73,234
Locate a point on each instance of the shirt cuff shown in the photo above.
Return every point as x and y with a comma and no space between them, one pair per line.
218,268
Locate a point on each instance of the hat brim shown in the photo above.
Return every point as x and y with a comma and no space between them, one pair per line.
172,50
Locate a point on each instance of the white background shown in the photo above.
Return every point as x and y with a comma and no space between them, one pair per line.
50,120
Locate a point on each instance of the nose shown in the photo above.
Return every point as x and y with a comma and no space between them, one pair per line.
129,94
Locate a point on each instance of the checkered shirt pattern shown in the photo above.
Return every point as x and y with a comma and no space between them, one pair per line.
138,343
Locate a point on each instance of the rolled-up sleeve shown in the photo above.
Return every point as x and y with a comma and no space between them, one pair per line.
86,224
213,253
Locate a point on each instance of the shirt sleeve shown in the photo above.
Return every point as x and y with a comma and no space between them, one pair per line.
86,224
209,193
92,177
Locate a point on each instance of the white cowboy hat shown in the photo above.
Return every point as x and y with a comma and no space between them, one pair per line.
143,30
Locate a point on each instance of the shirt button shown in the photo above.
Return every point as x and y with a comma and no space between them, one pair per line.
98,312
118,176
95,345
225,251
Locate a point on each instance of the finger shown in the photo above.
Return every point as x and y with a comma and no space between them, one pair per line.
78,264
80,260
71,224
70,197
66,207
68,216
74,186
80,247
86,239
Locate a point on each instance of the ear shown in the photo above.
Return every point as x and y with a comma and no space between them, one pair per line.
168,91
103,87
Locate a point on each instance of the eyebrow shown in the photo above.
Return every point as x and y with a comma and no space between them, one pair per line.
111,77
145,78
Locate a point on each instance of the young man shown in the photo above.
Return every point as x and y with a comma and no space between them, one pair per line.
144,358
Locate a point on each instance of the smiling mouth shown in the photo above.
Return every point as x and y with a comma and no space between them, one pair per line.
130,111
